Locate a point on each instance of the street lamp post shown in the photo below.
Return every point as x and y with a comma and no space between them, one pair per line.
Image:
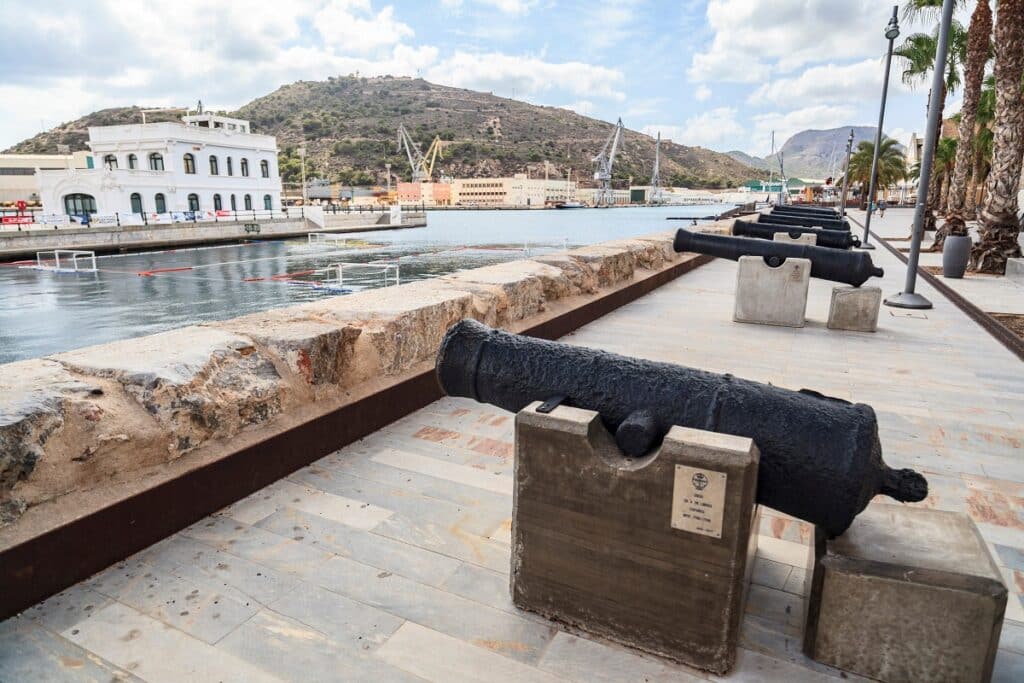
892,32
302,155
846,175
388,168
908,298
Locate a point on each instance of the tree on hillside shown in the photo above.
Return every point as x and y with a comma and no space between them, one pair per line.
999,224
892,166
978,50
918,56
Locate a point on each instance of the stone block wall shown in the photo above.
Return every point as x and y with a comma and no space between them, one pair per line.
101,415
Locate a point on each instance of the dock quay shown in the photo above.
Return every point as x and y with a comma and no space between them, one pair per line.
287,496
105,239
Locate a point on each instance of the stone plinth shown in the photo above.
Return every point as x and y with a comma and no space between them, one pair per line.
1015,270
854,308
906,594
772,295
654,553
801,238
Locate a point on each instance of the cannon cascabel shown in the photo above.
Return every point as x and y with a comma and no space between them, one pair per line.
850,267
821,460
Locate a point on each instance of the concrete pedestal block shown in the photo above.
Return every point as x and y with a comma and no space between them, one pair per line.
1015,270
906,594
654,552
802,238
772,295
854,308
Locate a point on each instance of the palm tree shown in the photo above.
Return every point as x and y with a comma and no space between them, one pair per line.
918,55
986,114
945,168
892,166
999,224
978,50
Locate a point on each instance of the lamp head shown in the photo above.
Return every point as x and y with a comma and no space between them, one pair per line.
892,30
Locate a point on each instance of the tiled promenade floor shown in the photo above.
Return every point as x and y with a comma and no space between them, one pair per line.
388,560
990,293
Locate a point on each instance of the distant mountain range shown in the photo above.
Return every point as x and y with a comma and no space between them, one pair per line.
348,125
810,154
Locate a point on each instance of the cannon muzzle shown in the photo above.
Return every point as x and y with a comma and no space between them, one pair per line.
821,459
833,239
805,221
850,267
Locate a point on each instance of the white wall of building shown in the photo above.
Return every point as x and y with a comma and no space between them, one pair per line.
18,173
113,184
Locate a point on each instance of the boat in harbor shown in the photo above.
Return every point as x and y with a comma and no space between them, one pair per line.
569,205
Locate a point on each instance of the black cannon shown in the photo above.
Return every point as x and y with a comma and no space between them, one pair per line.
821,459
833,239
807,211
850,267
805,221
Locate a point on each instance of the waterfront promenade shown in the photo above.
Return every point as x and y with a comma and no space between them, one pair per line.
388,559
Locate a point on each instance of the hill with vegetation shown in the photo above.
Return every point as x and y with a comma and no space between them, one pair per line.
349,127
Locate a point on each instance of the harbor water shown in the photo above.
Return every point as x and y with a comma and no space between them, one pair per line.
46,311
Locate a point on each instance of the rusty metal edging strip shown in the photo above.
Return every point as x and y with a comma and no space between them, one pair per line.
1003,334
60,557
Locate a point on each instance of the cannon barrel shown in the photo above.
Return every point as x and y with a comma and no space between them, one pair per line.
807,210
833,239
805,221
850,267
821,459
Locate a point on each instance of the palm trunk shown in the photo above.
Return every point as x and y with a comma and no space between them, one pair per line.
978,43
934,180
999,225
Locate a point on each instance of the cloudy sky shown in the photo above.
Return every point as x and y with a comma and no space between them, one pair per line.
718,73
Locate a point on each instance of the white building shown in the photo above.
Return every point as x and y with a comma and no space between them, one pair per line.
18,173
206,164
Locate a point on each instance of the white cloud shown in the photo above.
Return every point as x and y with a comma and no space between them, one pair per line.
716,128
354,27
785,125
526,76
506,6
829,83
752,40
702,93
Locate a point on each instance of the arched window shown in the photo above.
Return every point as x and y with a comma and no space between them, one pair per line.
244,166
231,169
268,203
133,162
78,204
217,203
193,202
248,202
265,168
136,202
110,162
156,161
190,164
159,203
214,168
234,206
